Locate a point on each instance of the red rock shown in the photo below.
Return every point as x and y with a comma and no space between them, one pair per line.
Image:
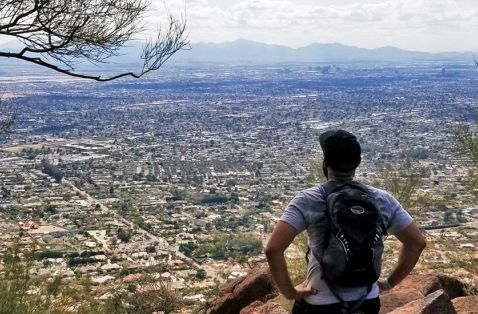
466,305
257,285
224,304
256,307
416,294
259,307
415,287
453,287
437,302
398,297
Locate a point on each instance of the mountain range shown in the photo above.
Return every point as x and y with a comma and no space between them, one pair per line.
243,51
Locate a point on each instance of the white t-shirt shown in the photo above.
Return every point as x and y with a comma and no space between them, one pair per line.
307,211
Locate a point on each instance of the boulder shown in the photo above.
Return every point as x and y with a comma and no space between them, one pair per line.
466,305
453,287
422,294
224,304
398,297
256,307
259,307
418,286
256,286
436,302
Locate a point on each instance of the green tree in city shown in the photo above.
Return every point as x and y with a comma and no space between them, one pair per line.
52,171
467,140
157,296
20,293
201,274
225,246
124,235
404,182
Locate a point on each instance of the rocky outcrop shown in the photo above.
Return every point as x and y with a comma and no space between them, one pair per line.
433,303
466,305
417,294
256,286
416,287
259,307
453,287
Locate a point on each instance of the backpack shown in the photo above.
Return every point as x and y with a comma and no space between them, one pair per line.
353,245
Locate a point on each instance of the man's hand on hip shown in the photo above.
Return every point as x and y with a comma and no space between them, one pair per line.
303,291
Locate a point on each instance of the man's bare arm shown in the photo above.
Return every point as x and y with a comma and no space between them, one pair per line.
413,244
280,239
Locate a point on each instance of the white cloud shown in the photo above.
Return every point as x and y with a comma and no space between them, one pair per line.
413,24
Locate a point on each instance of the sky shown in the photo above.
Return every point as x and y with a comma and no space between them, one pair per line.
422,25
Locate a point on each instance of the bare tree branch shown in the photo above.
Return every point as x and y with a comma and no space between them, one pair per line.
68,31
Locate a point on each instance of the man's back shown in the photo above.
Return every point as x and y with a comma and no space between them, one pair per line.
307,211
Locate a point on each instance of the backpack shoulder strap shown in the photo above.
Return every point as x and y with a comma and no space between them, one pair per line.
325,189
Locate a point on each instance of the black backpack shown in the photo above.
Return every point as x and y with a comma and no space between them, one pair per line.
353,246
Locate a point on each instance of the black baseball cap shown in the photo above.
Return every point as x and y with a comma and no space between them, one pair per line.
341,150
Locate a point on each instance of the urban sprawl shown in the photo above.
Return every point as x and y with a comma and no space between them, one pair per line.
183,175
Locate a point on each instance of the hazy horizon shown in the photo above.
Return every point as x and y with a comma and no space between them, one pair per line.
416,25
4,43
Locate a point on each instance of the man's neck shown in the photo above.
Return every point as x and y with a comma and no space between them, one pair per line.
340,178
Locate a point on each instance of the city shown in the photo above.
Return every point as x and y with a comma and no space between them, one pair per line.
183,174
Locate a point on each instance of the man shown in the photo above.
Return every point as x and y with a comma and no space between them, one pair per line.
342,155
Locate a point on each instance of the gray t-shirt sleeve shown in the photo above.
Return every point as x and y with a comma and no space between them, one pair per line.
399,218
294,213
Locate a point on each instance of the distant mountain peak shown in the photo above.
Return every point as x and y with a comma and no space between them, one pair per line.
245,50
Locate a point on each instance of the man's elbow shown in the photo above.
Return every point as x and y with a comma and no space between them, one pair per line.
272,250
422,244
269,251
418,245
412,239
